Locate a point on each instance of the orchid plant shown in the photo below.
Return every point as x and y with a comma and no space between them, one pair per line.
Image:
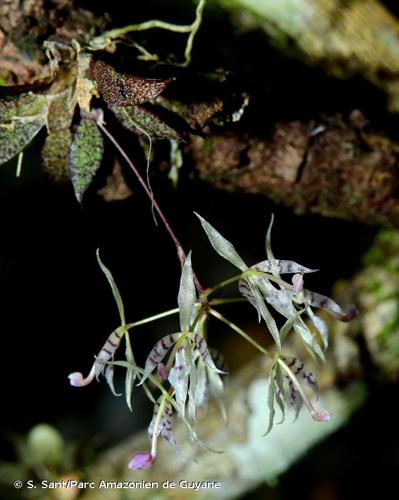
186,372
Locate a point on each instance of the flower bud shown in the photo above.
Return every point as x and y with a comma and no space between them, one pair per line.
142,460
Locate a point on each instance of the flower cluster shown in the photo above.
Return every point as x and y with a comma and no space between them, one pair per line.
186,372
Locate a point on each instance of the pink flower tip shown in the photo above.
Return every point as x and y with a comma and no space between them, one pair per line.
142,460
321,416
76,378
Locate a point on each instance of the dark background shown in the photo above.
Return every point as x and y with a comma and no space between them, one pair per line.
57,308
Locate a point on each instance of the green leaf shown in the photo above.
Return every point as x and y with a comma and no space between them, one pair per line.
114,288
21,118
145,121
55,154
85,155
60,110
222,246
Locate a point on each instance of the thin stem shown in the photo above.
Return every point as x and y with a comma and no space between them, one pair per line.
156,424
237,329
217,302
153,378
180,252
194,28
102,41
270,277
152,318
220,285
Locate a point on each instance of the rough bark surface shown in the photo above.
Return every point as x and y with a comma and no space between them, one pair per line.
334,166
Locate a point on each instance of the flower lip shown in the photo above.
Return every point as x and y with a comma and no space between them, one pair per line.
321,416
76,379
141,461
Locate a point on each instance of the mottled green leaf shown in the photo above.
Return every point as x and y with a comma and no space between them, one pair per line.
85,155
21,118
144,121
60,110
55,154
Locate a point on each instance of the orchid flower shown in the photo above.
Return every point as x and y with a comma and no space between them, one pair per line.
287,378
257,285
103,361
161,425
186,346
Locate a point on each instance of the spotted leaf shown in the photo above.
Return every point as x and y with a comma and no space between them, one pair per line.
55,154
122,89
145,121
86,153
21,118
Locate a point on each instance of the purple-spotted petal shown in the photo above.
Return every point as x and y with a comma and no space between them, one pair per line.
298,369
141,461
202,347
157,354
320,325
162,372
281,301
281,267
321,301
107,351
178,378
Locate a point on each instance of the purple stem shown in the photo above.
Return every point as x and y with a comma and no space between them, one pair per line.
180,252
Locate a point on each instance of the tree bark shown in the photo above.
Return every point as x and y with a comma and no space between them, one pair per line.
334,166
